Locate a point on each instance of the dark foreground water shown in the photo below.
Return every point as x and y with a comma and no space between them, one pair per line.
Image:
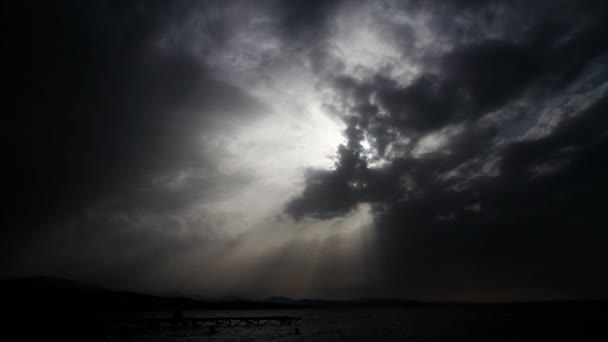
546,322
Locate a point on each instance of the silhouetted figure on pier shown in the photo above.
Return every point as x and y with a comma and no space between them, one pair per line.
212,330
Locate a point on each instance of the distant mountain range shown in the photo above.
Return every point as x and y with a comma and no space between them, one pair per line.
355,303
40,294
46,292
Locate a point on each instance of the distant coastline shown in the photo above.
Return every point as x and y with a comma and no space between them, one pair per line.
50,292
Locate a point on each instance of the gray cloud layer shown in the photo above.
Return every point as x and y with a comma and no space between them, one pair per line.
137,142
464,201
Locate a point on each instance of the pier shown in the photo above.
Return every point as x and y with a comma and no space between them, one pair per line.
199,322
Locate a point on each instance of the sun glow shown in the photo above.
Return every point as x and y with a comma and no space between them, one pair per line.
276,149
272,151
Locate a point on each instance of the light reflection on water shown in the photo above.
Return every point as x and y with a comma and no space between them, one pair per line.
415,324
316,325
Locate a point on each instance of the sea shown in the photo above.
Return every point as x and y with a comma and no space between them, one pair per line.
537,322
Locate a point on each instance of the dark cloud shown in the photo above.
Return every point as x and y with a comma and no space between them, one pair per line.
305,22
458,205
478,143
490,73
97,111
526,214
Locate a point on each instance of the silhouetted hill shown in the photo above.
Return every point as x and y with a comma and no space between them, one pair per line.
42,293
39,294
280,299
344,304
36,293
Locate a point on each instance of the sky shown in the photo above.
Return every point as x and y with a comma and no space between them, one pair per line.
422,149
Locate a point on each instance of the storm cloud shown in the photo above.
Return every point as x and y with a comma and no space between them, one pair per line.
460,179
424,149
